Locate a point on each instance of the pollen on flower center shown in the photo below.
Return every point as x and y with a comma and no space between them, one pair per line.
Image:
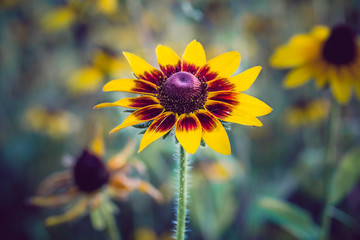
182,93
340,48
90,173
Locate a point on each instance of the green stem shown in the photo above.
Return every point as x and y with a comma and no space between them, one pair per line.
182,193
110,221
329,165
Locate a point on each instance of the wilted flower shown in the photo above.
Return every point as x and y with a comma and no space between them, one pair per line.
90,184
327,55
191,94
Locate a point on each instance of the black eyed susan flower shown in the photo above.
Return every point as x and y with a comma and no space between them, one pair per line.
90,184
306,112
189,94
327,55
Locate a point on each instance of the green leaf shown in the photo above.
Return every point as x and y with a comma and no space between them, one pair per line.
346,176
97,219
291,217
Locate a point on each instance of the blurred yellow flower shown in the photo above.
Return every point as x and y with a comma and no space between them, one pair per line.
90,184
54,122
327,55
88,79
107,7
304,112
58,19
149,234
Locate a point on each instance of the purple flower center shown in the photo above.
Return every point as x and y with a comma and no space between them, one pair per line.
340,48
90,173
182,93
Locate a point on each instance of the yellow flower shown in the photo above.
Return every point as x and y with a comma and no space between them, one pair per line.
148,234
305,112
328,56
58,19
90,183
53,122
189,94
88,79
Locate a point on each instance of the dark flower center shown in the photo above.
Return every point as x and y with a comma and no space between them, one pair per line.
182,93
90,173
340,48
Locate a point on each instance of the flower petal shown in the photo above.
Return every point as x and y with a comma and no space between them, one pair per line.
119,160
139,116
213,132
131,86
169,61
320,32
244,80
298,77
144,70
71,214
193,58
97,145
300,49
136,102
229,113
340,87
54,200
223,65
54,182
160,126
220,84
188,132
243,102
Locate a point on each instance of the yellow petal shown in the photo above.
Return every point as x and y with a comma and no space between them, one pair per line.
194,57
168,60
298,77
223,65
54,182
136,102
300,50
188,132
71,214
131,86
54,200
147,188
85,80
142,69
161,125
340,87
119,160
357,89
320,32
245,79
97,145
229,113
252,105
213,132
139,116
107,7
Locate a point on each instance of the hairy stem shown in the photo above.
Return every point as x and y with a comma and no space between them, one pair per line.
182,193
329,166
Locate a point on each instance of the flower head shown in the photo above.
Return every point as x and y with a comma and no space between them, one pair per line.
327,55
189,94
90,183
304,112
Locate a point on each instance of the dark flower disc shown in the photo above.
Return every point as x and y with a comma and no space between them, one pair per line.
182,93
340,48
90,173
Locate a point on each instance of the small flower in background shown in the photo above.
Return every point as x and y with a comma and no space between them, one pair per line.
88,79
64,16
91,184
307,112
56,123
148,234
191,94
327,55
